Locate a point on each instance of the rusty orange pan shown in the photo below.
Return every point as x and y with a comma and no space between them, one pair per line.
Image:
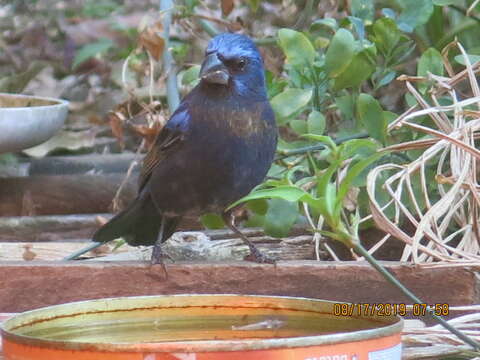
202,327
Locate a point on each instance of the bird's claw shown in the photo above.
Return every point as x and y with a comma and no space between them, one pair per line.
259,257
157,258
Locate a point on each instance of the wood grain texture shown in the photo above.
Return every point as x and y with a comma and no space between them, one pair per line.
66,194
25,286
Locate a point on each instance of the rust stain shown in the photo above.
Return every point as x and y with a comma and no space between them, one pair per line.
39,321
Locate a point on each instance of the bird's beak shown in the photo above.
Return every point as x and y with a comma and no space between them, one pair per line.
214,71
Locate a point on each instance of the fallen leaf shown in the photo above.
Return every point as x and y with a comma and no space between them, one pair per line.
101,220
116,120
71,140
151,39
227,7
147,132
28,254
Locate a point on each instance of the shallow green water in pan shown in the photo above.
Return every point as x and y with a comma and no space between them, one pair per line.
160,326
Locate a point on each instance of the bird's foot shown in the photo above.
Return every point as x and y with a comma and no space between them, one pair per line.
259,257
158,256
255,254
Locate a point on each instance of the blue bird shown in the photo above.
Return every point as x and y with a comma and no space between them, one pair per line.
216,147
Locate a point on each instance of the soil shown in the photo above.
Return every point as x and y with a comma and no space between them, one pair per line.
13,101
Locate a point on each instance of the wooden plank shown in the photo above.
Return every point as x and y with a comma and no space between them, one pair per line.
29,285
63,194
82,226
49,251
182,246
49,227
83,164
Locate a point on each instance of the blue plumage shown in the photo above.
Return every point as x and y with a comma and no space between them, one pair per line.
215,148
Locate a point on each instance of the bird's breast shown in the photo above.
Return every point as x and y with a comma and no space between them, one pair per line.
226,152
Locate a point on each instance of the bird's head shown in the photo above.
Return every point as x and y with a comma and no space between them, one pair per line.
233,62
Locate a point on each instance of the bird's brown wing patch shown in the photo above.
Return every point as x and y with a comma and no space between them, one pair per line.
166,139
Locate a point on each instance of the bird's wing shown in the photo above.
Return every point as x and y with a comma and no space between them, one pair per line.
169,138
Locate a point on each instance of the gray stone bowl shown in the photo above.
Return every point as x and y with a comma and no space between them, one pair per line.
26,121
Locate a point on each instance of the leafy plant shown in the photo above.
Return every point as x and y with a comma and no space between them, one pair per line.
90,50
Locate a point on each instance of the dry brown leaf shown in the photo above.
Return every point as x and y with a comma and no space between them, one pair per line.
350,202
149,133
151,39
116,119
227,7
101,220
28,254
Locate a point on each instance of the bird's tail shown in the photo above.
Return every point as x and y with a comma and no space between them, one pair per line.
138,224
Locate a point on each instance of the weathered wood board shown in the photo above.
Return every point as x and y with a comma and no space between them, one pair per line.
29,285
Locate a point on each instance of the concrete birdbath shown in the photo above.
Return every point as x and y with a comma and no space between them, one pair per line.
26,121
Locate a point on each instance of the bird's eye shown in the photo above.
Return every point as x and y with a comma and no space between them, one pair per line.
241,63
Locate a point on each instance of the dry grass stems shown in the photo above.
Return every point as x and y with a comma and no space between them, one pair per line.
436,194
435,342
432,204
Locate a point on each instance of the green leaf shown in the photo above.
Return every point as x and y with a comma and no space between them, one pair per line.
473,59
330,200
299,126
327,140
370,115
275,85
296,46
280,217
386,34
346,104
386,79
363,9
289,101
389,116
401,52
255,220
430,61
285,192
414,13
90,50
325,178
212,221
254,4
191,75
340,52
316,123
99,9
329,24
291,173
355,147
352,173
390,13
357,71
258,206
447,2
358,26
